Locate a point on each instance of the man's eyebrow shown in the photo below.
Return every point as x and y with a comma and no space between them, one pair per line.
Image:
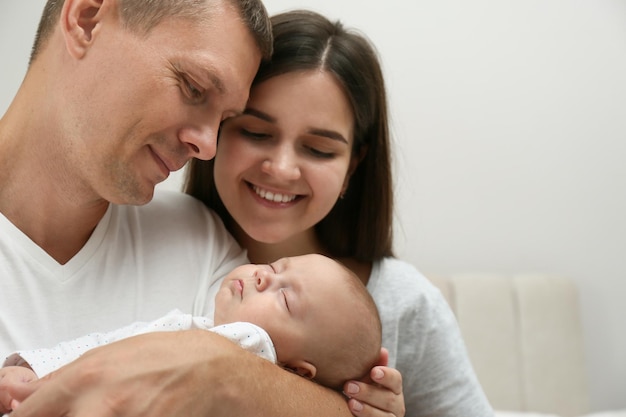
216,81
206,73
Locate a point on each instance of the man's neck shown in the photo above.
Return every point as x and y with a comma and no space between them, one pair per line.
32,197
60,229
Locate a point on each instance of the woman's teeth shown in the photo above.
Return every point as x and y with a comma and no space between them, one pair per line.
274,197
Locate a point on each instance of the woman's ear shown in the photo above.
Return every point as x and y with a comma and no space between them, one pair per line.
80,22
302,368
355,160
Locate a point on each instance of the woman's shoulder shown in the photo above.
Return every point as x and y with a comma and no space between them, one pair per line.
398,286
393,274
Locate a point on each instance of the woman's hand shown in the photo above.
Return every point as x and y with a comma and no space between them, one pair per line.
378,395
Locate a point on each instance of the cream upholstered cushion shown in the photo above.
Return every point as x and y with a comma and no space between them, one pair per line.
521,414
524,338
618,413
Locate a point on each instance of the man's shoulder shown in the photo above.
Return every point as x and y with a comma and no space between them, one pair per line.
171,210
175,202
168,202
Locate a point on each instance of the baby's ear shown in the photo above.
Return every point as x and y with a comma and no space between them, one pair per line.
302,368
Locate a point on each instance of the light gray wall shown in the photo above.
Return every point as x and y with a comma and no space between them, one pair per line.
510,137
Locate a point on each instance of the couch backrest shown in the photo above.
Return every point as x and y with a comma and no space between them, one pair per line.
524,338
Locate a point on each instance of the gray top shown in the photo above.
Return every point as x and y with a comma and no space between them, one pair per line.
425,345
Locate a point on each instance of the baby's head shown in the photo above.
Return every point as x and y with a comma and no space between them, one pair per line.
322,321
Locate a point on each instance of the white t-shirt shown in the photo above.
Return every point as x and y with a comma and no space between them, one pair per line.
139,263
247,335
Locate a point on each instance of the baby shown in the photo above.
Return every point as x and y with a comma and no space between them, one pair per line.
309,314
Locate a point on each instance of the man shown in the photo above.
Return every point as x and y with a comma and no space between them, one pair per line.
118,94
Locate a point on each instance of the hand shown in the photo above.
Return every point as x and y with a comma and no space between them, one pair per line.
156,374
10,376
378,395
191,373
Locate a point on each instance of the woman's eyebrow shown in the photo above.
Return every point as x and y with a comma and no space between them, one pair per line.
331,134
257,113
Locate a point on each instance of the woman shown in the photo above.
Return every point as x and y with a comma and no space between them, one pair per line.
306,169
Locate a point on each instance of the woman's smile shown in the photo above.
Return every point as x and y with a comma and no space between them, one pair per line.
281,198
272,196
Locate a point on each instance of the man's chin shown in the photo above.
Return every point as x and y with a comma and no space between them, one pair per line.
136,197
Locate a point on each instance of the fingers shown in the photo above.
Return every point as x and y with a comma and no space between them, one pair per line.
12,378
5,397
388,378
383,360
360,409
6,401
382,397
34,399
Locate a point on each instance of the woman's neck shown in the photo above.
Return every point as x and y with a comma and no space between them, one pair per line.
302,244
260,252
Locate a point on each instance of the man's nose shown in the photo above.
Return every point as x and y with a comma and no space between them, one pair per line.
201,139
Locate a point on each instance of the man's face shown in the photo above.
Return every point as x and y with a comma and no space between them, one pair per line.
140,106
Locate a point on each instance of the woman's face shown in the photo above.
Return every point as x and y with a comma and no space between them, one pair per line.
282,165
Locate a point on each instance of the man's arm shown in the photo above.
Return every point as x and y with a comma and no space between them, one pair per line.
188,374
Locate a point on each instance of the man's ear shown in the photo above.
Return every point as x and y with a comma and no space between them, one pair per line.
302,368
80,22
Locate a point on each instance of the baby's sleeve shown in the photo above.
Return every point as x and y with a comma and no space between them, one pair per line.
250,337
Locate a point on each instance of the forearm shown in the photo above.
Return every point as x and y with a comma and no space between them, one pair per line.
251,386
192,373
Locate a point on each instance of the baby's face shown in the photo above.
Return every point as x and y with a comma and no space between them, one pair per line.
293,299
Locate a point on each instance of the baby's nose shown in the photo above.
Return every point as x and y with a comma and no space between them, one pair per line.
263,280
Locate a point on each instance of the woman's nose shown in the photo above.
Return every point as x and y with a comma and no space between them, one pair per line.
282,165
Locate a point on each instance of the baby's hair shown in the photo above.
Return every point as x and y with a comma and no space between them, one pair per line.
354,354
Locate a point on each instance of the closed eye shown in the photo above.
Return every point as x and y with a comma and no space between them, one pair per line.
254,135
320,154
194,92
191,89
282,291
